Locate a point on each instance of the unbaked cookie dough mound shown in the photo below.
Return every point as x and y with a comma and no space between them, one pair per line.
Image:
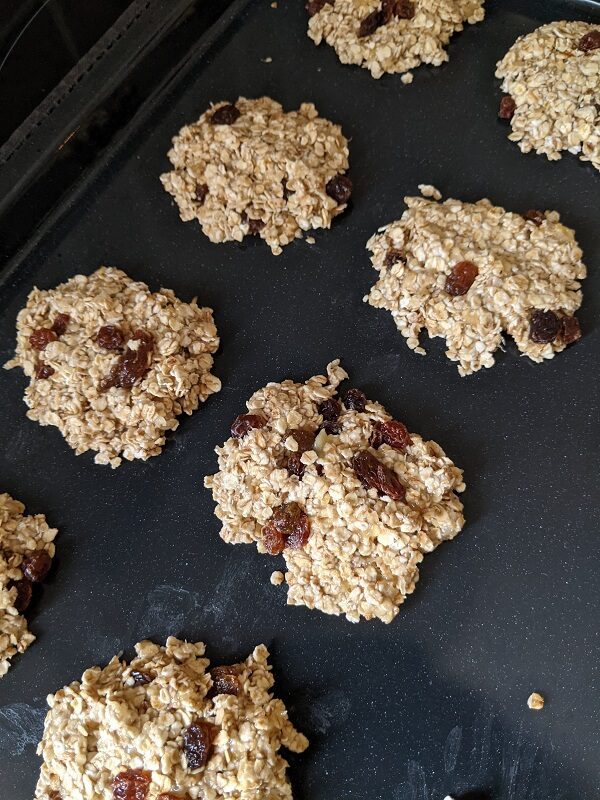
26,552
164,727
112,364
249,168
552,82
469,271
390,35
351,499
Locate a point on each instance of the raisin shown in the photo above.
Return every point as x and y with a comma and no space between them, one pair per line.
132,784
535,216
54,795
244,423
36,566
375,475
570,330
288,527
41,337
355,399
59,326
507,107
225,115
404,9
140,678
392,257
201,192
370,24
304,439
225,680
292,461
254,225
460,280
198,743
339,188
589,41
330,409
314,6
331,427
110,337
43,371
24,592
393,433
543,326
132,365
376,437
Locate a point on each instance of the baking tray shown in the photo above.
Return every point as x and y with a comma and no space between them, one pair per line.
434,703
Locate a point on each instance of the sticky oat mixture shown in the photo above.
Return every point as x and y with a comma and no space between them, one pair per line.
249,168
390,35
26,552
552,81
469,272
347,495
112,364
165,727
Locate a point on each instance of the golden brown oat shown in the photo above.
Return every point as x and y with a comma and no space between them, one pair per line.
535,701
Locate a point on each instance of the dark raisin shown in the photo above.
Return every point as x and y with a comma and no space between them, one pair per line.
331,427
132,784
293,463
288,527
24,592
339,188
198,743
355,399
370,24
59,326
132,365
314,6
392,257
460,280
375,475
589,41
225,680
36,565
507,107
41,337
570,330
54,795
330,409
543,326
535,216
140,678
110,337
225,115
201,192
255,226
244,423
43,371
388,8
405,9
304,439
393,433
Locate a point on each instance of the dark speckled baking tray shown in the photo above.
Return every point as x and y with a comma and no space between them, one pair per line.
434,703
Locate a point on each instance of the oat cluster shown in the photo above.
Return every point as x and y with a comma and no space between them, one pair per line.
134,718
554,81
69,376
361,558
400,43
522,265
20,537
258,170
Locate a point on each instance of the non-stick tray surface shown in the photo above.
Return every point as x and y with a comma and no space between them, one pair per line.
435,702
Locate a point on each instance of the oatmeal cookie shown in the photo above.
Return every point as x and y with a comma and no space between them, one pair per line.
163,727
469,271
112,364
26,552
390,35
249,168
552,81
345,493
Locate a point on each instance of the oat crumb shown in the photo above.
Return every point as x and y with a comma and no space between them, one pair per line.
274,5
407,77
535,701
267,60
277,578
310,240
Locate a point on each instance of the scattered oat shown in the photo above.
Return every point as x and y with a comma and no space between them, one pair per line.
26,552
390,36
310,240
262,171
298,474
125,364
407,77
277,578
554,83
148,717
273,5
535,701
267,60
469,271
